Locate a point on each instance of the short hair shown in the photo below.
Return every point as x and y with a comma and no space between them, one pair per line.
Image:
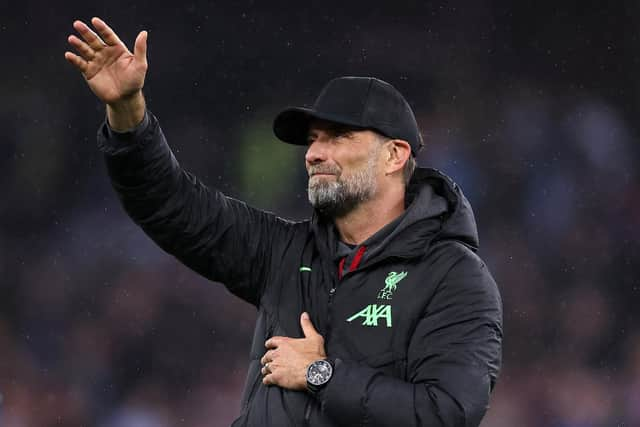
408,169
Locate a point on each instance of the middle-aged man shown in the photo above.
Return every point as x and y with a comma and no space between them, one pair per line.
376,311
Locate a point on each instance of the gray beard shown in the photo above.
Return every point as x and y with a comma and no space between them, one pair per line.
337,198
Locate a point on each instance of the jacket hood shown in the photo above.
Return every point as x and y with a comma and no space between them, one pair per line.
428,190
436,210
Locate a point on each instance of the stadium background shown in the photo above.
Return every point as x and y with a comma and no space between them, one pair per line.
533,108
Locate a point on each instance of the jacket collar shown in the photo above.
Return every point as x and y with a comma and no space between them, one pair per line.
436,210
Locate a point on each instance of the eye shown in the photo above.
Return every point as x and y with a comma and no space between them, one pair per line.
312,135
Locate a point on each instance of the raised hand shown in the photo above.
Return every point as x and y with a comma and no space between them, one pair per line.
112,72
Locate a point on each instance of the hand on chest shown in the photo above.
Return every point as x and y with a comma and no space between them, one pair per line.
367,316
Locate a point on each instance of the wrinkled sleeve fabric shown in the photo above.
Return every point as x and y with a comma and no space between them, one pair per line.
219,237
452,363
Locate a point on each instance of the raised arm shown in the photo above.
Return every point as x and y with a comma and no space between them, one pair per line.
221,238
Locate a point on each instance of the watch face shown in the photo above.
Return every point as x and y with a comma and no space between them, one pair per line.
319,372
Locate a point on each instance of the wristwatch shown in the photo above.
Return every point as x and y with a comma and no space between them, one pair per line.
318,375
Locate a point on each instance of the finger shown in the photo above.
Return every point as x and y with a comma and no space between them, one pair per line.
268,357
264,360
265,369
140,47
88,35
85,51
307,327
269,380
76,61
107,34
274,342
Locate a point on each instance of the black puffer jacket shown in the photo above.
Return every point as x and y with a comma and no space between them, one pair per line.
415,329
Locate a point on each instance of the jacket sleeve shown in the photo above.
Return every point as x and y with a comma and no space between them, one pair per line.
452,363
219,237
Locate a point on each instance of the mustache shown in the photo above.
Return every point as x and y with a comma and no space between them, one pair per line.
323,169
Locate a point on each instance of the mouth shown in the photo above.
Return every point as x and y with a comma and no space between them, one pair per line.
322,177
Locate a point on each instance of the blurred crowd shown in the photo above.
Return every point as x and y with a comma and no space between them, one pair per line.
98,327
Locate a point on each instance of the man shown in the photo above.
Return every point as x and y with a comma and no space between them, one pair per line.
377,311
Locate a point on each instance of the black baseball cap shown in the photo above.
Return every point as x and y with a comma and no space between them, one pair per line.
361,102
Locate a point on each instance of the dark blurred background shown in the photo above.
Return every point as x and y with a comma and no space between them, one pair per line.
532,107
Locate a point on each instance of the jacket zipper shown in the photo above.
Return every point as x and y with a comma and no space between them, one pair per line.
307,409
332,292
334,285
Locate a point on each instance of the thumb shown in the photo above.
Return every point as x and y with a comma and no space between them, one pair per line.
140,47
307,326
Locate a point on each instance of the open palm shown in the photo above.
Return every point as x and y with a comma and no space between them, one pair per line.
112,72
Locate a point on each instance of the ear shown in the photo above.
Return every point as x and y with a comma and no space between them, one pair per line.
398,152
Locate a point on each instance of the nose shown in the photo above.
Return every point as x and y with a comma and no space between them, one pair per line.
316,153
